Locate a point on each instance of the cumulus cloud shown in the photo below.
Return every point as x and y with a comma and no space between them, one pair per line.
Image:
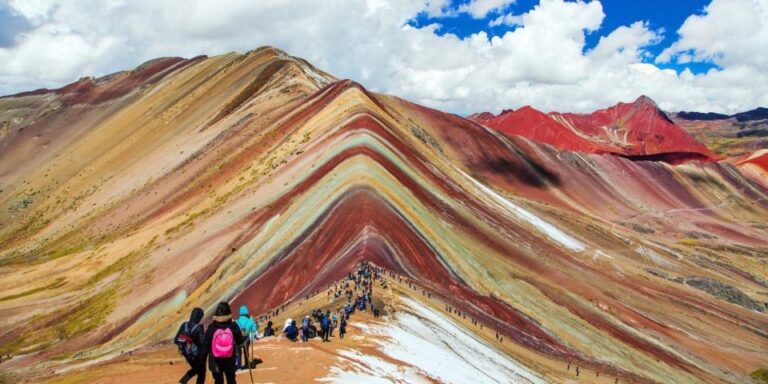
729,32
542,62
480,8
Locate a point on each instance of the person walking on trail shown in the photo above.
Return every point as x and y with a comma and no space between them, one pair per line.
325,325
221,339
190,339
305,329
334,322
342,327
248,328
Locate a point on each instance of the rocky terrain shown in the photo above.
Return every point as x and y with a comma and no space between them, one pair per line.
735,135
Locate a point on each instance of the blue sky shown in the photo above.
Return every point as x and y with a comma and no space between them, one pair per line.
663,15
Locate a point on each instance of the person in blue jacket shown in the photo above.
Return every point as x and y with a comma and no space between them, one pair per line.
249,329
290,331
305,329
325,325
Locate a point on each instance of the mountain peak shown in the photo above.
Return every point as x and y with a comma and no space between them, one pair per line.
637,130
645,100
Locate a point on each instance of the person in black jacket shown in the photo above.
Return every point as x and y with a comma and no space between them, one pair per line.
222,367
269,331
193,333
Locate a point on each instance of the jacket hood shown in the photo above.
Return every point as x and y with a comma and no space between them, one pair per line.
196,316
243,310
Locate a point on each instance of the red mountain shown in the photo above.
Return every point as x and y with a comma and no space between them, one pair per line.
638,130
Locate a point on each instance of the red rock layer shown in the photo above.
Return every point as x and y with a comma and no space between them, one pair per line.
638,130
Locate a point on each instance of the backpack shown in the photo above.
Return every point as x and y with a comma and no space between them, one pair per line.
223,343
243,327
186,342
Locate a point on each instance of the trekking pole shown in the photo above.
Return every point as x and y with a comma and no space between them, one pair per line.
249,361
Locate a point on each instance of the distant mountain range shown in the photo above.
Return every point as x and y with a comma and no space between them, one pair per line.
755,114
727,135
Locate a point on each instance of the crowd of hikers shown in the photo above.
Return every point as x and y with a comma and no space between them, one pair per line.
224,346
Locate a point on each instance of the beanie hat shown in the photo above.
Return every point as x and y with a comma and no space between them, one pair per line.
196,316
223,312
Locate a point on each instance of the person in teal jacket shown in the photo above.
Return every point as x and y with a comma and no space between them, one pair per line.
249,329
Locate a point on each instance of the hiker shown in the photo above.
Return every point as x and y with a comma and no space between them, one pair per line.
268,331
221,339
248,328
325,325
334,322
305,329
342,327
189,339
290,331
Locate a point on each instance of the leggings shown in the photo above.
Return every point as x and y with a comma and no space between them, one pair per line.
226,368
196,368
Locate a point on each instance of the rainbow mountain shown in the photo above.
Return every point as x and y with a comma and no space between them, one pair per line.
256,178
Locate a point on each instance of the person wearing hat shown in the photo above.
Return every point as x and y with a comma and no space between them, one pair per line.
221,339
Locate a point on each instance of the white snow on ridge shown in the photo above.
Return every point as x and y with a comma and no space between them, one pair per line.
433,347
548,229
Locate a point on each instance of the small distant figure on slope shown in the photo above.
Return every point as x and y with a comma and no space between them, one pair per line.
268,330
290,331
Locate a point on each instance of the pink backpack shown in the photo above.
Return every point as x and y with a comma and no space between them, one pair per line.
223,344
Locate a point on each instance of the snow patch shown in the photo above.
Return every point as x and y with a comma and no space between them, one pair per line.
548,229
431,347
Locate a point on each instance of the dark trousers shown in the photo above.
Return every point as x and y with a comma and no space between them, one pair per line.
342,331
326,332
226,368
196,368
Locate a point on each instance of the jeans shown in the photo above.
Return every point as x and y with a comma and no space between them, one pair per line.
242,353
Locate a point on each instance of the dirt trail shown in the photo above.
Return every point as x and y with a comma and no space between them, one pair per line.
284,362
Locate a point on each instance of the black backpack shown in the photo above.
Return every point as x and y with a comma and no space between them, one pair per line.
186,342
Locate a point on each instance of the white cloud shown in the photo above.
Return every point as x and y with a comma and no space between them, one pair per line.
436,8
480,8
508,19
541,62
626,41
729,32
